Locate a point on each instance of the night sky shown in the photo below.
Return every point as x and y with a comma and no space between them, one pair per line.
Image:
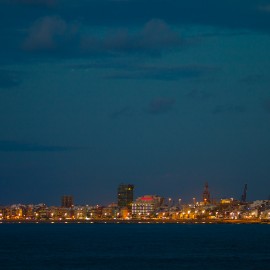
163,94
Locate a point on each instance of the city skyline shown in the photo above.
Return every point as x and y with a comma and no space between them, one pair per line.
166,95
125,196
147,208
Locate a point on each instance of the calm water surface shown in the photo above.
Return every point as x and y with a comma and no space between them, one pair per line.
134,246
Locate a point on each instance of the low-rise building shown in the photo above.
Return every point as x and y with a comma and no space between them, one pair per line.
146,205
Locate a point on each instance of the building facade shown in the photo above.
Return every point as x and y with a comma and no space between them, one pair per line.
146,205
206,194
67,201
125,195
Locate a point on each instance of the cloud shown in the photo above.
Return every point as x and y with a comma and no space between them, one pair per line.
157,34
103,64
264,8
220,109
53,34
133,68
8,79
164,73
49,34
15,146
155,37
160,105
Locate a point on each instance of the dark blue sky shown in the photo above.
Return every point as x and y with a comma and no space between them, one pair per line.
164,94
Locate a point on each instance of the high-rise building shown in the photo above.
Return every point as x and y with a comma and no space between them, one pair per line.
206,194
67,201
244,195
125,195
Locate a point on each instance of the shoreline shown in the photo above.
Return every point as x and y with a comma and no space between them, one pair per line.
135,221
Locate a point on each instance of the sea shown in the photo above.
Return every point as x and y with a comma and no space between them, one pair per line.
135,246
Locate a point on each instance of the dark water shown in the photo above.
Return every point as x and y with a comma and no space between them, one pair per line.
134,246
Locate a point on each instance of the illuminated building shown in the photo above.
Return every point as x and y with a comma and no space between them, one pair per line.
94,211
146,205
16,211
43,214
67,201
226,201
79,212
110,212
125,195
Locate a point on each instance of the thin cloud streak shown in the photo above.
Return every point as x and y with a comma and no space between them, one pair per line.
234,109
54,34
163,73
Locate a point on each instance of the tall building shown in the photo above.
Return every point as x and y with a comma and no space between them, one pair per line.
244,195
206,194
125,195
67,201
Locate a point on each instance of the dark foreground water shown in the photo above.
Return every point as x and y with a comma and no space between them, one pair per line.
134,246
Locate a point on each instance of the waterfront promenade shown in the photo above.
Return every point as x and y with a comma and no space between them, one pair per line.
141,221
